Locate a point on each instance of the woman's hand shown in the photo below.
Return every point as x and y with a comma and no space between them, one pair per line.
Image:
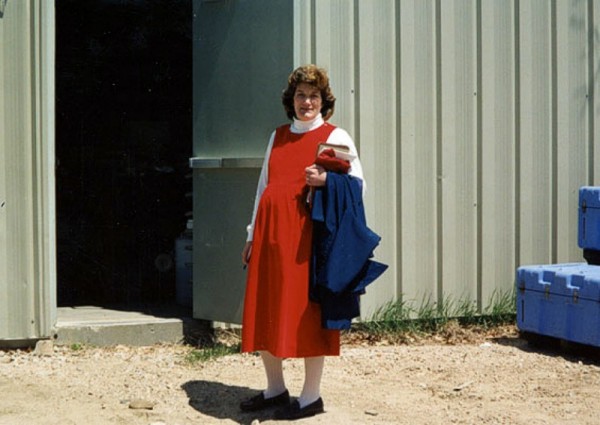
246,252
315,175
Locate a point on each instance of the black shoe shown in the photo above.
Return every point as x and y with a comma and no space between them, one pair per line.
294,411
259,402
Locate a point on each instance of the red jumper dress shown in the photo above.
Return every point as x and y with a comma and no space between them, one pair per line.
278,316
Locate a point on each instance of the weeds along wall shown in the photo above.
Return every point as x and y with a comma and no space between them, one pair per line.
477,122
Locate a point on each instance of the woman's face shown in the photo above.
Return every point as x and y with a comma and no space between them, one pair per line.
307,102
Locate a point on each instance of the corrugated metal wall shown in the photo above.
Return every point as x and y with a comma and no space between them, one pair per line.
27,242
477,123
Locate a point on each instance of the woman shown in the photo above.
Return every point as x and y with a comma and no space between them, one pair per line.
279,321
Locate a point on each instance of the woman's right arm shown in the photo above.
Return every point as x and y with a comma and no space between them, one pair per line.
260,188
246,252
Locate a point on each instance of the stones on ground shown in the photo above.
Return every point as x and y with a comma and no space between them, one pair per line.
44,347
141,404
5,359
255,422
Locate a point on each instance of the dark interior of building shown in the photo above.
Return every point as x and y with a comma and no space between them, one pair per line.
123,140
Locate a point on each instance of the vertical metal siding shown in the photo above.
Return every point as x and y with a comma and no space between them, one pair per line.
535,159
16,196
497,145
27,279
3,219
571,120
594,95
477,122
44,186
416,170
335,38
458,148
303,32
375,131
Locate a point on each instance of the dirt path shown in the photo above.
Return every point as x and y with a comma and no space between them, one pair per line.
484,381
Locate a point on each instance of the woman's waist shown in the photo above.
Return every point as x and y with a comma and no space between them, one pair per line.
290,185
293,190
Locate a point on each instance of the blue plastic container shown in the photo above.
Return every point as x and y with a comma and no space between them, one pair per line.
588,234
560,301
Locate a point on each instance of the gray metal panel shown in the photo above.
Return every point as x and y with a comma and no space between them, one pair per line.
458,148
44,182
304,33
417,171
572,94
15,215
199,162
534,156
377,87
27,239
489,138
335,39
242,58
497,144
4,272
594,108
223,200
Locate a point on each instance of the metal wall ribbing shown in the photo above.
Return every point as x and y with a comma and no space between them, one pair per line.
477,122
27,241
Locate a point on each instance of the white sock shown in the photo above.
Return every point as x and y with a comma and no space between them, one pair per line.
313,371
274,370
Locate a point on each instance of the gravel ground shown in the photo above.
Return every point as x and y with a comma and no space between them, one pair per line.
453,378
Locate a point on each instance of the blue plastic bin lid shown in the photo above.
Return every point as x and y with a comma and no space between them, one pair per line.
589,196
561,279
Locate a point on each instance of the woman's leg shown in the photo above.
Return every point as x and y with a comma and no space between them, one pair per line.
313,371
274,370
275,394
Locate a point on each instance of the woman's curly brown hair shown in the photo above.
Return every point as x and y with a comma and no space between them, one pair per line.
314,76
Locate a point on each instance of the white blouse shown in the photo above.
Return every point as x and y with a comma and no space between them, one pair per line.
338,136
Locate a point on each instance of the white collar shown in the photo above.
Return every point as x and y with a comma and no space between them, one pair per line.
299,126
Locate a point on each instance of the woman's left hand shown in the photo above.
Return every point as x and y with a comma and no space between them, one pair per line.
315,175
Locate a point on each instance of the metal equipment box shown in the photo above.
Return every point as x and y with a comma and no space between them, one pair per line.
560,301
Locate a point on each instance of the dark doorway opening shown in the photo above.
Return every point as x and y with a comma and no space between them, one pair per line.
124,136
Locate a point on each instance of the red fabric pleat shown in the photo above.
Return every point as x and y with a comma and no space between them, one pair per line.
278,316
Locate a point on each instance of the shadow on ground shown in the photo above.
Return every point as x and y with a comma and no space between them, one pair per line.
554,347
222,401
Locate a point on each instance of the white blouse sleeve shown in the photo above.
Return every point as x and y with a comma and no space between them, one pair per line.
341,137
262,184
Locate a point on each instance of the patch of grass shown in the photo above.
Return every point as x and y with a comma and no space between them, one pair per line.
77,346
201,355
430,317
501,310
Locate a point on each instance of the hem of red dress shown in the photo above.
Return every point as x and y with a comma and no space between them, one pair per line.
294,355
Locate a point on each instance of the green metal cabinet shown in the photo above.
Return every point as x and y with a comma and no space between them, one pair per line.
242,57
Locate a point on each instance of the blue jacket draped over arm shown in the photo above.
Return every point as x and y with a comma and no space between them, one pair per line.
343,245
